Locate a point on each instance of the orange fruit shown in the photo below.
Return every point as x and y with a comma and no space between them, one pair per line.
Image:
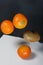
20,21
7,27
24,51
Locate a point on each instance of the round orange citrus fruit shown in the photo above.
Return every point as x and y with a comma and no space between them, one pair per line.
7,27
24,51
20,21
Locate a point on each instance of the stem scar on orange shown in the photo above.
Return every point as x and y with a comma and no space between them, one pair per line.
24,51
7,27
20,21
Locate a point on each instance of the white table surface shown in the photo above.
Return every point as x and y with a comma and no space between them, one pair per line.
8,51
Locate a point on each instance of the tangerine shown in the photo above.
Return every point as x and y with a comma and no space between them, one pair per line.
20,21
24,51
7,27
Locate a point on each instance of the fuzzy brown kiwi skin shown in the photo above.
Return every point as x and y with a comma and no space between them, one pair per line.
31,36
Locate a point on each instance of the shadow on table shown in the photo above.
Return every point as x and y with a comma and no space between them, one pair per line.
33,55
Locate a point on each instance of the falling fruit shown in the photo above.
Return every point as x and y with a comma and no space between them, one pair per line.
24,51
20,21
7,27
31,36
